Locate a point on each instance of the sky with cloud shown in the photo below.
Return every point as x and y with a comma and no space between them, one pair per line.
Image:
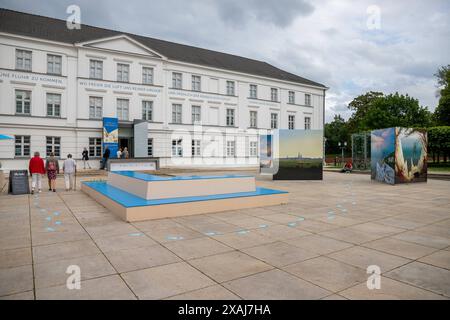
342,44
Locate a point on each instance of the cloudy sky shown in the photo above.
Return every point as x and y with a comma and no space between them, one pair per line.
346,45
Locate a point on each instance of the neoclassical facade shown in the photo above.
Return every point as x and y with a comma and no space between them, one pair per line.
202,107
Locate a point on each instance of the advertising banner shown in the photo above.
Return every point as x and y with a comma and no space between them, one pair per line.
111,135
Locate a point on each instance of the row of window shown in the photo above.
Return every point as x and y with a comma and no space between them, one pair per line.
23,106
53,145
54,66
24,62
196,83
23,103
274,95
22,146
177,148
122,72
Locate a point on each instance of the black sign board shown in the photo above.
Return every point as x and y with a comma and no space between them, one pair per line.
18,182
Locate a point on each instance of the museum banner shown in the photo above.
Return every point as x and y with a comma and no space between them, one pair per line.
111,135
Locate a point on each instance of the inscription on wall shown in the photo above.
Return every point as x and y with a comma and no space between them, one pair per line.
93,84
198,95
32,77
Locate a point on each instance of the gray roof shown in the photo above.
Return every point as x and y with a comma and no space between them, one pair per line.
55,30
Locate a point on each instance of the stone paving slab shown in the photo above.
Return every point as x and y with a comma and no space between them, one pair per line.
423,276
273,285
318,246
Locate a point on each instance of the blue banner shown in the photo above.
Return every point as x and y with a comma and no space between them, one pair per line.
111,135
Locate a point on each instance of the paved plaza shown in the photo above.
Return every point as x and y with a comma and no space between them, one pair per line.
316,247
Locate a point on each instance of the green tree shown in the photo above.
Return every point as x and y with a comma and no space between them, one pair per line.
360,106
374,110
335,132
442,76
442,112
439,143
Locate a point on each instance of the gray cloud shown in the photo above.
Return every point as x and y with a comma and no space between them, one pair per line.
281,13
328,42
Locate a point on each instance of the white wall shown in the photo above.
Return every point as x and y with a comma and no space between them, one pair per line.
74,127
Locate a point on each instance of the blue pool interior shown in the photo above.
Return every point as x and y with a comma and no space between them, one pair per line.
152,177
129,200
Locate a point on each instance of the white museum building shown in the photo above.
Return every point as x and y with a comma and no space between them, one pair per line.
202,107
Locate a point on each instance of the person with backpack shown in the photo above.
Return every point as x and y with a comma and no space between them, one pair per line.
37,169
85,158
52,168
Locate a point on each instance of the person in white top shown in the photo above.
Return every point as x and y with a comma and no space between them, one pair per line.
70,168
119,153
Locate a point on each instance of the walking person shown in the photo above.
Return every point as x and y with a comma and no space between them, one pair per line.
106,155
70,169
37,169
52,168
85,158
125,153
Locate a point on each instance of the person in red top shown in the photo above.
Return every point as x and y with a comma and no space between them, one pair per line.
37,169
348,167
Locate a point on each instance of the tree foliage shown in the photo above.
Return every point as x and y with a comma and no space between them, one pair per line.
439,142
442,112
335,132
375,110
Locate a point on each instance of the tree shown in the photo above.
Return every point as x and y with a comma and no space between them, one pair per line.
442,76
373,110
360,106
335,132
442,112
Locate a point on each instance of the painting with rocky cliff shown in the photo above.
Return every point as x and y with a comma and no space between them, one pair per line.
399,155
410,155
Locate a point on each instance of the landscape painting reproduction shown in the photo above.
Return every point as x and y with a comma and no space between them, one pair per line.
410,155
383,155
300,155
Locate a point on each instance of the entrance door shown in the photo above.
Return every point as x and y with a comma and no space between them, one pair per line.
128,143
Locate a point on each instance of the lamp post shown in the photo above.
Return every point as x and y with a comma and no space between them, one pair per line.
342,145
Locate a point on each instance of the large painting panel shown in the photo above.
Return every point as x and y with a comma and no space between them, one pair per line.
410,155
300,155
383,155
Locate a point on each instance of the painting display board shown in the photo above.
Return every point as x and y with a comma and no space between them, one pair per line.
111,135
300,155
399,155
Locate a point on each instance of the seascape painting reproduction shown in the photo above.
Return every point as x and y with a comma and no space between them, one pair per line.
410,155
383,155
